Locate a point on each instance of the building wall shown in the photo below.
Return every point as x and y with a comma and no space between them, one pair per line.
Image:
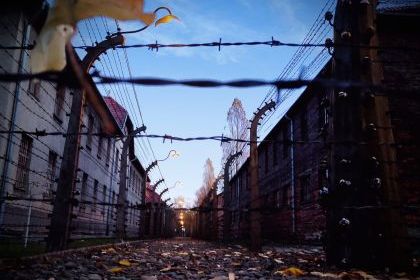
39,107
309,120
401,70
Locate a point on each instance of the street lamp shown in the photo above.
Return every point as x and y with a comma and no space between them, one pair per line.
172,153
164,19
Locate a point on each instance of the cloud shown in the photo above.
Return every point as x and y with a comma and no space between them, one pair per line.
197,25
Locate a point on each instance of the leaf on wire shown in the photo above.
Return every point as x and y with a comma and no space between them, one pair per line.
166,19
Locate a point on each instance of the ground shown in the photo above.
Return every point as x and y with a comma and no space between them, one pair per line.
181,259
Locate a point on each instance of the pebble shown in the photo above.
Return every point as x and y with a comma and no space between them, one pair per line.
172,259
94,277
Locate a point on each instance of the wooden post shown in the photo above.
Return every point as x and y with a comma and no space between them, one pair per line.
253,176
214,211
363,227
226,196
122,192
59,232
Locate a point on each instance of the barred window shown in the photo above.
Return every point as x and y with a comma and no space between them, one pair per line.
103,199
34,88
100,146
59,102
52,169
304,126
305,189
108,150
24,161
90,131
83,192
95,194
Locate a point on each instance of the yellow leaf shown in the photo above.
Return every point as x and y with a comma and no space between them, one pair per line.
124,262
49,52
291,271
166,19
115,269
117,9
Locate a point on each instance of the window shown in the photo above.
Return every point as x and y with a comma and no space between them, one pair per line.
304,126
286,198
52,169
95,195
83,191
266,158
322,118
100,146
286,142
34,88
59,102
117,159
232,193
108,150
24,161
305,189
103,199
90,131
113,202
278,199
275,152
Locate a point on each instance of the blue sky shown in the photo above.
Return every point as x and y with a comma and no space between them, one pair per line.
189,112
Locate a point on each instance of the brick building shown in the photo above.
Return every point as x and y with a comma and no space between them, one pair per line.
290,173
30,165
295,158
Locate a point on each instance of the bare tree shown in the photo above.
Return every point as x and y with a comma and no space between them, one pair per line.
208,180
238,129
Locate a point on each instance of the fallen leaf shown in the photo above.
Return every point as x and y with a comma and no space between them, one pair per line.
166,269
279,261
291,271
124,262
231,276
263,256
324,275
115,269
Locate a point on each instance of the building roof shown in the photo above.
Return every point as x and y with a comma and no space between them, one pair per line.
397,6
152,196
119,112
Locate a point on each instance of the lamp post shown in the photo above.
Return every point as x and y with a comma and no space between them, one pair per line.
164,19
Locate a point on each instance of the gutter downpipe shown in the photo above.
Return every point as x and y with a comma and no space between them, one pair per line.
292,171
108,212
25,39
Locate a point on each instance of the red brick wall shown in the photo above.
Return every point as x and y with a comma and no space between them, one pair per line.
401,69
